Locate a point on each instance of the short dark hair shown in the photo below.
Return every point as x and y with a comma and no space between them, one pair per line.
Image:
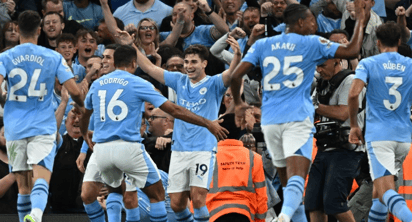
29,21
405,50
339,31
94,56
66,37
83,32
53,13
251,9
124,56
113,46
44,3
389,34
168,51
199,50
293,13
119,23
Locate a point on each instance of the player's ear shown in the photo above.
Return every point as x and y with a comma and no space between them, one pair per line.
204,63
39,30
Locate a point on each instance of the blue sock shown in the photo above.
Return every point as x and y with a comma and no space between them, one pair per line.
184,216
397,205
95,212
23,205
292,195
201,214
39,194
114,207
158,212
133,215
378,211
300,215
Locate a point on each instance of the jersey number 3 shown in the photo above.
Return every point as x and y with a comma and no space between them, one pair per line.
287,70
114,101
396,81
32,92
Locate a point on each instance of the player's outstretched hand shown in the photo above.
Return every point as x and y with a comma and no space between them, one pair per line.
161,143
124,38
80,162
355,136
217,130
360,10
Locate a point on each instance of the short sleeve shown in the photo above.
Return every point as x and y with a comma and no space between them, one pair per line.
88,103
64,72
323,49
218,82
148,93
2,66
361,72
172,78
252,55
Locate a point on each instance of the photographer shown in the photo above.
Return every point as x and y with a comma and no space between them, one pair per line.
337,161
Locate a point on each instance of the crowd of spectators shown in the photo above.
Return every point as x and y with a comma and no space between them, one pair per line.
162,30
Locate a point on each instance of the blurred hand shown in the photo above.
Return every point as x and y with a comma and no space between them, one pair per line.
219,132
266,9
234,45
237,33
80,162
400,11
162,142
204,6
10,5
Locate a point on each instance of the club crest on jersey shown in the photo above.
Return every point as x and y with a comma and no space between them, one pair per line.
202,91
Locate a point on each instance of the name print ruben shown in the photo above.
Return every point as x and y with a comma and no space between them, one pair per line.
28,58
394,66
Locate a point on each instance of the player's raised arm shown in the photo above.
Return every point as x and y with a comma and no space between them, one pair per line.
352,49
181,113
235,61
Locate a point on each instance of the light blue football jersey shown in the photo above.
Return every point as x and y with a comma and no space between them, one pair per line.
30,71
116,101
388,96
288,63
79,72
204,99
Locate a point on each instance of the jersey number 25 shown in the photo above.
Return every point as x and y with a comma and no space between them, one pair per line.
287,70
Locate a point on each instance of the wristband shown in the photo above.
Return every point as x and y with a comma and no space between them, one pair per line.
208,13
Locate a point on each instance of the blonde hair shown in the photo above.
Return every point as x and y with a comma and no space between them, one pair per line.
138,41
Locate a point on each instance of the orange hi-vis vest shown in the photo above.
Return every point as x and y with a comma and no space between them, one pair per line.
238,184
405,188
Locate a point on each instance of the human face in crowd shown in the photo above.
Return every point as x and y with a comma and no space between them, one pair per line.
147,32
195,67
368,6
86,45
66,49
188,14
175,64
250,19
89,65
231,6
194,4
228,98
51,7
157,122
279,8
11,34
309,24
103,33
108,61
73,124
327,69
337,37
52,26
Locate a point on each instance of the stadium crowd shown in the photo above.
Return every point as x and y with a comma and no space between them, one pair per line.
206,110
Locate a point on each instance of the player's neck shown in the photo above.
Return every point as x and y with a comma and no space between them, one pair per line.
143,7
32,40
388,49
202,76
